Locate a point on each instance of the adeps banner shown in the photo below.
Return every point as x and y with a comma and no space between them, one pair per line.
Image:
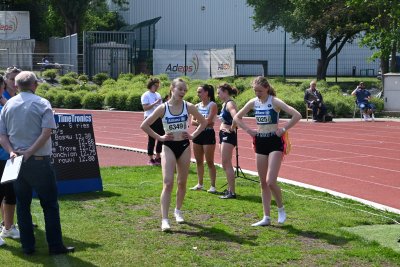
200,64
14,25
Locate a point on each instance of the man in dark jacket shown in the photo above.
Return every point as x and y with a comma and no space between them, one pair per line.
314,100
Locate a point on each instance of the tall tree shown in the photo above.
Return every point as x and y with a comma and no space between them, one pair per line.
325,24
74,11
383,31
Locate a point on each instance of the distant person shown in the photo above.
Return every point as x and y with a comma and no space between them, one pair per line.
150,101
11,89
228,136
26,122
204,144
46,63
176,146
7,194
315,101
363,98
268,142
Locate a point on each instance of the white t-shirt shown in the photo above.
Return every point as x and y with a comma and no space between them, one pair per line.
149,98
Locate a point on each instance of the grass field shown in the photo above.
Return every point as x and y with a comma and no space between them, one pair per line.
121,227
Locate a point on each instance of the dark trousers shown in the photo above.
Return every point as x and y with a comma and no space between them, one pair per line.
318,111
157,126
38,175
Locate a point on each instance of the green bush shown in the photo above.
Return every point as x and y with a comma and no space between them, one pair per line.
50,74
99,78
92,101
67,80
72,100
71,74
133,102
83,78
44,87
126,76
111,99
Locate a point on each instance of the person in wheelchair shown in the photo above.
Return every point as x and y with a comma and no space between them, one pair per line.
363,98
315,101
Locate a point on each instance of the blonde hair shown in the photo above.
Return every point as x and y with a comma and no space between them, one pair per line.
262,81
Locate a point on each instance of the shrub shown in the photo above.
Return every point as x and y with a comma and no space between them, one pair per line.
72,100
92,101
109,82
67,80
111,99
99,78
126,76
51,95
50,74
133,102
43,86
83,78
59,98
71,74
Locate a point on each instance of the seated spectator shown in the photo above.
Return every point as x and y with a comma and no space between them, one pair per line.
314,100
363,97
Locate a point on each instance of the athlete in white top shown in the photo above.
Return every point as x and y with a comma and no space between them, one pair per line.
204,144
176,148
268,142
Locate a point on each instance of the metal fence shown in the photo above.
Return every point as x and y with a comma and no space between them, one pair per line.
116,53
300,59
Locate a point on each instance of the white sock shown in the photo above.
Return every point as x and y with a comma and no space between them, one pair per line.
281,215
265,221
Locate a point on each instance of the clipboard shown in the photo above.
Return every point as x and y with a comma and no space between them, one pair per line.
11,170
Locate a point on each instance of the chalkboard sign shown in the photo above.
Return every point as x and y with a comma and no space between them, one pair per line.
74,154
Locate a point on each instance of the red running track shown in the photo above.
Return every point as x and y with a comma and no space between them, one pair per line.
356,158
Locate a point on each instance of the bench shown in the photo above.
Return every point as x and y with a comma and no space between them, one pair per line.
264,64
367,71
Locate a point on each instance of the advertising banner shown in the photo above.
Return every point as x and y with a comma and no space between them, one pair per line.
172,63
222,62
200,64
14,25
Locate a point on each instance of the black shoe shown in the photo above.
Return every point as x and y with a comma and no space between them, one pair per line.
228,196
62,250
29,252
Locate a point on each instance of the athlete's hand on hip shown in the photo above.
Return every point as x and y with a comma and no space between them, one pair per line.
167,137
186,135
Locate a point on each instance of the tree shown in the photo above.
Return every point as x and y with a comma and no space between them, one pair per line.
326,24
383,32
73,12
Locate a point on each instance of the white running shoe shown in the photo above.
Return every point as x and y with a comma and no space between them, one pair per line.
366,117
212,190
165,225
264,222
2,242
281,215
13,232
178,216
197,187
372,117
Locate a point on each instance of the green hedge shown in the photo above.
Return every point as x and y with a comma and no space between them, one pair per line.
124,93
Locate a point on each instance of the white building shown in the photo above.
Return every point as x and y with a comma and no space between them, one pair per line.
206,24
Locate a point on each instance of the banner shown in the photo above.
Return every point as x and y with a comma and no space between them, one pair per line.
222,62
14,25
200,64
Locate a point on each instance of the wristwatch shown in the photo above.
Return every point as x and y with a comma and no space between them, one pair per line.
284,129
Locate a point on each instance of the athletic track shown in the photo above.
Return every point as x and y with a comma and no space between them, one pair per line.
358,159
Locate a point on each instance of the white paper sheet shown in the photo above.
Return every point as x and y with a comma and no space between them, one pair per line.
11,170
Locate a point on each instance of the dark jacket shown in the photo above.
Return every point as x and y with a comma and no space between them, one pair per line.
310,97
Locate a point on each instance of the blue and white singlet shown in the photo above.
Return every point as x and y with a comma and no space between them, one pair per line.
264,112
175,123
